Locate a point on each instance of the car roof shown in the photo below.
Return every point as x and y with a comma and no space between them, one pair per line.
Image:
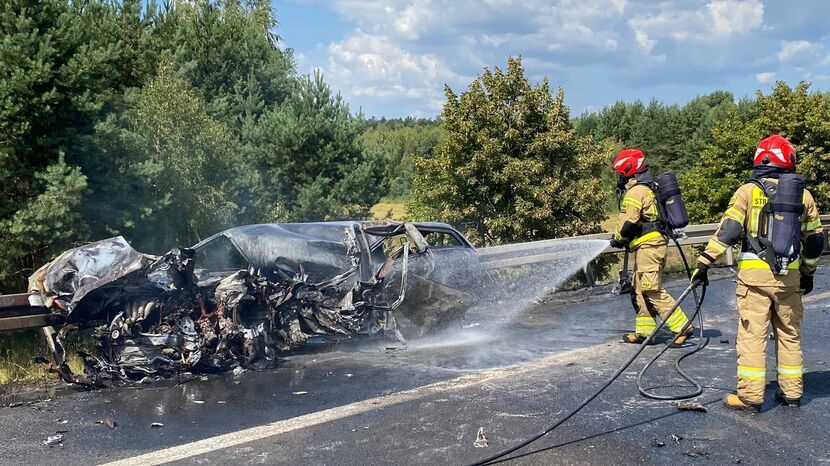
313,242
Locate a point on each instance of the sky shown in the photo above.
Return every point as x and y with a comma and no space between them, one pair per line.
392,58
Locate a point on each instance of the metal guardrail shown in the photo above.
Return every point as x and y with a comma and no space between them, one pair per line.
536,252
16,312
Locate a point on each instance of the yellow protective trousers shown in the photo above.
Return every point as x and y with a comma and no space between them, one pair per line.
758,307
651,298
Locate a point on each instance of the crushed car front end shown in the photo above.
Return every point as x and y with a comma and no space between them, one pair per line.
240,297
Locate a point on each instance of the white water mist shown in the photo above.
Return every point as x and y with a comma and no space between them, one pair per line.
505,293
501,296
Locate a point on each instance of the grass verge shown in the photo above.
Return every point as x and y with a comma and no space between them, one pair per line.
388,210
17,357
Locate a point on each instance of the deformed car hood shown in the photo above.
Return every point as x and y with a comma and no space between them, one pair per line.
67,280
152,316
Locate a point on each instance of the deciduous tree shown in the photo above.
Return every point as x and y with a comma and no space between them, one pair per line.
511,166
726,163
173,167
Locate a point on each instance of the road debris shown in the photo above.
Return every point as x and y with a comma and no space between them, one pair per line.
108,422
62,421
658,443
481,441
156,425
300,393
697,453
676,438
691,406
236,299
52,440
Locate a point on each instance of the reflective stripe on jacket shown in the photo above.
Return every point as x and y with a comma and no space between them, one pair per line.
638,206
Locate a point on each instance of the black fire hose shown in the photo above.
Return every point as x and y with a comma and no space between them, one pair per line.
698,302
698,389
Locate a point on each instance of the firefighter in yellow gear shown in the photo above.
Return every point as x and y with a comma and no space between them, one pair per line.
639,229
768,292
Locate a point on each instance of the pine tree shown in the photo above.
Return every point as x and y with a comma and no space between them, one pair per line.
395,145
45,226
60,64
308,156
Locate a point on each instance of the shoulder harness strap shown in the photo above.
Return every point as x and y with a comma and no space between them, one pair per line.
659,224
760,245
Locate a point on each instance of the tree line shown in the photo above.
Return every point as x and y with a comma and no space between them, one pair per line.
163,124
167,124
513,165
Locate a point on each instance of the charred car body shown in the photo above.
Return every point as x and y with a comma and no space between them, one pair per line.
239,297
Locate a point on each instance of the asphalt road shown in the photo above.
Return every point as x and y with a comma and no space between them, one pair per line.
425,404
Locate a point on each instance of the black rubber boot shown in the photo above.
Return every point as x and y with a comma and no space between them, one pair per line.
791,402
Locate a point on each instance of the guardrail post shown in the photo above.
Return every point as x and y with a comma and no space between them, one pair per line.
590,276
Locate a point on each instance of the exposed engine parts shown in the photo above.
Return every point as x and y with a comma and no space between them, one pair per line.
242,296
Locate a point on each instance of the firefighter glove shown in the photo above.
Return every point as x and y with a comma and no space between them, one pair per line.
617,244
806,284
700,275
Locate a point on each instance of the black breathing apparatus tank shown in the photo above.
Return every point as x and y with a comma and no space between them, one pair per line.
670,198
781,224
671,208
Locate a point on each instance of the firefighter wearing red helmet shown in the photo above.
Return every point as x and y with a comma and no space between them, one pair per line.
639,229
771,280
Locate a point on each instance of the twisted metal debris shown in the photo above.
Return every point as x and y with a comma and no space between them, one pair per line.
239,298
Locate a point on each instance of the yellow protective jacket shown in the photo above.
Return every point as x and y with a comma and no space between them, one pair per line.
742,218
638,207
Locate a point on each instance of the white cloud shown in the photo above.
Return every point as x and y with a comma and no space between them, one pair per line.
414,21
800,52
765,77
714,23
560,23
400,53
735,17
410,49
645,43
369,65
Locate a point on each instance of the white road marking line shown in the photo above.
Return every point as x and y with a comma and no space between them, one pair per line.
815,297
233,439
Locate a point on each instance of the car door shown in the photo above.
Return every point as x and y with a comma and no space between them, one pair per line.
455,263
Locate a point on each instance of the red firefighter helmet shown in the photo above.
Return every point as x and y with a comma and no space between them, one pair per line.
628,162
775,151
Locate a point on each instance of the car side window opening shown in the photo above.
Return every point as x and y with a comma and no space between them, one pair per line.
442,239
393,243
219,255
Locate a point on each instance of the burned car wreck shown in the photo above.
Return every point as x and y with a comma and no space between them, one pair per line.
240,297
